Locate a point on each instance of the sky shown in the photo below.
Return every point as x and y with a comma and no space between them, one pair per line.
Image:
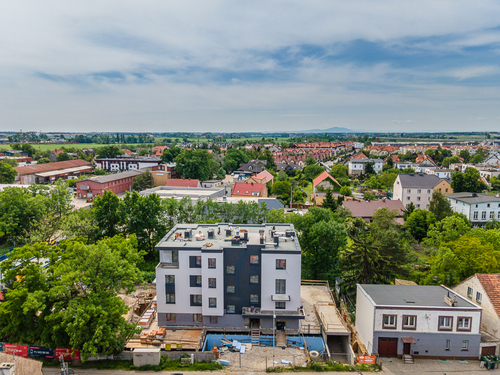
241,66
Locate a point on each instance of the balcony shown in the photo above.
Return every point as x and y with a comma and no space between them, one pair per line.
257,312
168,265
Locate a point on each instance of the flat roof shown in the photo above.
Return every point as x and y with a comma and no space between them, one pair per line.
471,199
116,176
180,192
176,237
63,171
413,296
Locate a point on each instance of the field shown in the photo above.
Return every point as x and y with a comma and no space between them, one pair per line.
46,147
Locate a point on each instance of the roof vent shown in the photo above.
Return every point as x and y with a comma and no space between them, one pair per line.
474,195
211,233
228,232
276,240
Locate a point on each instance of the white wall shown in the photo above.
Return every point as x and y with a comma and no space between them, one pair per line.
269,274
364,319
470,209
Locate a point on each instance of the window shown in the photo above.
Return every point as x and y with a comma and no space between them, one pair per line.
214,320
280,305
171,317
418,206
197,318
476,215
254,298
448,345
446,189
478,297
409,321
212,282
464,323
195,299
408,191
170,298
483,215
428,191
389,321
488,205
254,259
195,261
230,289
212,302
170,279
419,191
445,323
492,214
418,199
280,286
498,216
254,279
211,262
230,270
469,292
281,263
407,198
465,345
195,281
230,309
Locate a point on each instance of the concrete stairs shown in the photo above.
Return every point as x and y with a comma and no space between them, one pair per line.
408,359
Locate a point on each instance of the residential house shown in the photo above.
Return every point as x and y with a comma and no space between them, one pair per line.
183,182
288,166
158,150
493,158
357,166
252,167
484,289
50,172
417,321
418,188
479,208
246,189
116,183
265,176
441,173
249,276
325,181
54,154
366,209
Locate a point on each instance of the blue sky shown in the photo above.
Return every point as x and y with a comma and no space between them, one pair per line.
250,66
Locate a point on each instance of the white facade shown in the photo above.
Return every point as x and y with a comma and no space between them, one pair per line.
479,213
357,166
421,198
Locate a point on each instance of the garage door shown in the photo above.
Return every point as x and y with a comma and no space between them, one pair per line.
387,347
488,350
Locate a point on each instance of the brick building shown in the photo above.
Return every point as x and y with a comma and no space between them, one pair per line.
117,183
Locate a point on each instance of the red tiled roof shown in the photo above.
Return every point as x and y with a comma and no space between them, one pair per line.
359,156
323,176
244,189
38,168
265,174
491,285
159,150
57,152
181,182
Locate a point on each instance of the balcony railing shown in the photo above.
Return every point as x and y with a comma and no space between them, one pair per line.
168,265
258,312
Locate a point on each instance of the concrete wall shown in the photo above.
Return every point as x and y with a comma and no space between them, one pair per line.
364,319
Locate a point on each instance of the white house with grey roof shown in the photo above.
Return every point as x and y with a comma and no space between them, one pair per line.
357,167
418,188
229,276
417,321
479,208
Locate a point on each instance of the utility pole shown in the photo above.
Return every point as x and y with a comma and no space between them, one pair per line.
274,332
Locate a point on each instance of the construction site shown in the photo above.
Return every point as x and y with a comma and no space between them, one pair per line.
324,334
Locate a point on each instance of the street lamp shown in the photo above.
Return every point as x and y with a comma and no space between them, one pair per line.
29,219
274,331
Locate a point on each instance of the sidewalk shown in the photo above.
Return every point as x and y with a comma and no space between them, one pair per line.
421,366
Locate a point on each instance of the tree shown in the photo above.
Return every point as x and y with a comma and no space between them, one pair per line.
387,179
346,190
80,224
469,181
312,171
108,151
282,176
310,160
234,157
70,298
43,161
367,196
408,210
369,170
440,206
450,160
144,152
143,181
329,202
448,229
418,223
107,214
282,190
7,173
339,171
63,156
464,154
169,154
390,162
144,217
196,164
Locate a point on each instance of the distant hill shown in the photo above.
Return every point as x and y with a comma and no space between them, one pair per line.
335,129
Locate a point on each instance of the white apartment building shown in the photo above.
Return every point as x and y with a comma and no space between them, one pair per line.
223,275
417,321
479,208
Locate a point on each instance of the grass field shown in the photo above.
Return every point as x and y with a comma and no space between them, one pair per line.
45,147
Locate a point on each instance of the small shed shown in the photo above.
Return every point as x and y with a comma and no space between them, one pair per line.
146,356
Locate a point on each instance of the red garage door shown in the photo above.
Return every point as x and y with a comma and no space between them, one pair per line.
387,347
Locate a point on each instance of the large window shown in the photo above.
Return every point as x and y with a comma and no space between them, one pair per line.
195,281
212,282
492,215
409,322
464,323
280,286
195,299
389,321
230,289
476,215
170,298
254,279
281,264
483,215
445,323
212,302
211,262
170,279
195,261
280,305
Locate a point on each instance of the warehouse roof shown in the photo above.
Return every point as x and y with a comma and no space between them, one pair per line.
39,168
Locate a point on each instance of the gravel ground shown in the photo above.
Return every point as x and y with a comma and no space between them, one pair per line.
255,358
